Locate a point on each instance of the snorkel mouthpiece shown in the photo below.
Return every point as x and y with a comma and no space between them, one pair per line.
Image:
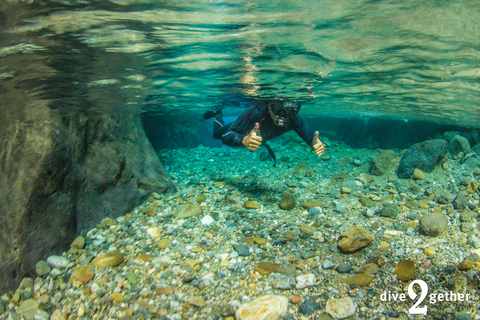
281,122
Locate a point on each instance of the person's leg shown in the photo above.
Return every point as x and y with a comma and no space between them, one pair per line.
219,128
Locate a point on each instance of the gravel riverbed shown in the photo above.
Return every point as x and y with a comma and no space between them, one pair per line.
325,237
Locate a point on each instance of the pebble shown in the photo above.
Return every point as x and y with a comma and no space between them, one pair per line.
306,280
188,211
418,175
82,275
341,308
163,243
106,260
42,268
197,301
434,224
207,220
251,205
268,307
327,264
360,279
465,265
405,270
287,202
78,243
344,268
309,306
354,239
58,262
28,308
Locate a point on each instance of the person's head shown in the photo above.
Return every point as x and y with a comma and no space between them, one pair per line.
283,111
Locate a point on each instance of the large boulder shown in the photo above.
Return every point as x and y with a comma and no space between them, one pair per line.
424,156
73,150
382,163
63,175
458,144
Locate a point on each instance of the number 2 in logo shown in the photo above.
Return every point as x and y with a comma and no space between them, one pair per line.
423,294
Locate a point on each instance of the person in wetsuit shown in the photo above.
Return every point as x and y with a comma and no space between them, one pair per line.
272,118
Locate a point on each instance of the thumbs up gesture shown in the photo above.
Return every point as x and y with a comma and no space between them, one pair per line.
252,141
318,146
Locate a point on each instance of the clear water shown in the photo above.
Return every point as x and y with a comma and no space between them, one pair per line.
412,59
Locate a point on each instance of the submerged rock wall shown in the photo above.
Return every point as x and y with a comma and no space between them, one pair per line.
62,175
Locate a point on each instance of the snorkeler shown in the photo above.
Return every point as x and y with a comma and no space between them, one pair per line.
272,119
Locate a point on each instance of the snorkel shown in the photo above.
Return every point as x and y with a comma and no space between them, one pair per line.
283,112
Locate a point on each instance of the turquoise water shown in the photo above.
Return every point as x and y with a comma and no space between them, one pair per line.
391,59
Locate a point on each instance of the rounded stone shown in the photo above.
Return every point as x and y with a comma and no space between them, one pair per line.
78,243
434,224
263,308
111,259
341,308
42,268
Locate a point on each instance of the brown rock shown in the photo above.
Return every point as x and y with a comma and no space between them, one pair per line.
360,279
311,204
370,268
287,202
269,307
78,243
354,239
265,268
188,211
466,265
163,243
193,264
165,291
117,297
251,205
379,261
307,229
144,257
111,259
418,175
200,198
82,275
405,270
197,301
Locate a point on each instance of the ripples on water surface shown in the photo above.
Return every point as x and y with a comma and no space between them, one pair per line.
399,59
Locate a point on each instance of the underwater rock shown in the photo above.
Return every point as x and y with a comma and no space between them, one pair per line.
405,270
69,172
354,239
287,202
382,163
389,211
82,275
341,308
424,156
106,260
78,243
465,265
360,279
418,175
458,144
265,268
271,307
188,210
434,224
306,280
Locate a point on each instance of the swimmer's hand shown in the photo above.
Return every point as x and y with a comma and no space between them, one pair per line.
318,146
252,141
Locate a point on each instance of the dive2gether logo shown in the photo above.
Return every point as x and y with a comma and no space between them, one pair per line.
433,298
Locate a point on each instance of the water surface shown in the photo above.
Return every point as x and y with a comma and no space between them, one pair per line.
391,59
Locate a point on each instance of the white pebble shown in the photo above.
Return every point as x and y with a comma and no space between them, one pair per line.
58,262
306,280
341,308
207,220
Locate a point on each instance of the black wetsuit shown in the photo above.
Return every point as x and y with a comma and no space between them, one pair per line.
232,134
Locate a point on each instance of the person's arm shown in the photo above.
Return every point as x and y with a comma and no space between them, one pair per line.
310,137
237,131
